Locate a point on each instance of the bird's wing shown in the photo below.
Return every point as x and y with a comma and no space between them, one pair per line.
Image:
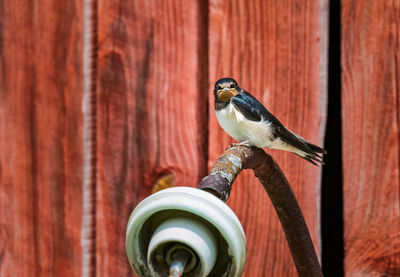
253,110
288,137
248,106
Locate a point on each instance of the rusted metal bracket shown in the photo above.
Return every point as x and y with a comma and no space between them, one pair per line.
227,168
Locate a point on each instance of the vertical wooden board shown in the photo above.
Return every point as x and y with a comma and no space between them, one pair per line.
41,138
276,50
152,113
370,101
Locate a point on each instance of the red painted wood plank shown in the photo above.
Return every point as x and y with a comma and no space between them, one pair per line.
277,51
370,112
41,148
152,114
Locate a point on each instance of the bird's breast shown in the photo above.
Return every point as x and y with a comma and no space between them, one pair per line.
258,133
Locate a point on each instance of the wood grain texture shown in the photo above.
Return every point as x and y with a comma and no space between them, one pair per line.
277,51
152,110
370,112
40,138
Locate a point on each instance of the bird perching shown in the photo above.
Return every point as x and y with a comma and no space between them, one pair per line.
245,119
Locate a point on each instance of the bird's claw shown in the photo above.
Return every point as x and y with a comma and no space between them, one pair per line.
245,143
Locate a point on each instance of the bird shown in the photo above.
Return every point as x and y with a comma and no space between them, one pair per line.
246,120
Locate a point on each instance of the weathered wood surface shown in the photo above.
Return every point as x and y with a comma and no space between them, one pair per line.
41,152
155,69
371,117
152,112
277,51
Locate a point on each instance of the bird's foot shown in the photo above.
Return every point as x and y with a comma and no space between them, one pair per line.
242,143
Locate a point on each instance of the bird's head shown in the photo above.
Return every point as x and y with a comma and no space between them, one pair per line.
225,89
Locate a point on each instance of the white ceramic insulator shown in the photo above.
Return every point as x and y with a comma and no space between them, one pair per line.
188,232
195,207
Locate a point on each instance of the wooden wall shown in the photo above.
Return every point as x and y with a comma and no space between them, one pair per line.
371,136
41,138
100,99
151,111
277,51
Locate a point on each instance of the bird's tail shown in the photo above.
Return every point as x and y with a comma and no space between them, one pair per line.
314,156
315,148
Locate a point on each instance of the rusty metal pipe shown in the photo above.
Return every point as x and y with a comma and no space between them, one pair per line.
227,168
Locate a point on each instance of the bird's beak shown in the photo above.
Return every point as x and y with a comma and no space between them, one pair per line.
226,94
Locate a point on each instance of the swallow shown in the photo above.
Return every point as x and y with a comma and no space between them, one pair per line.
246,120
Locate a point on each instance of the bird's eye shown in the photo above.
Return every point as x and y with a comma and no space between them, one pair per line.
232,86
